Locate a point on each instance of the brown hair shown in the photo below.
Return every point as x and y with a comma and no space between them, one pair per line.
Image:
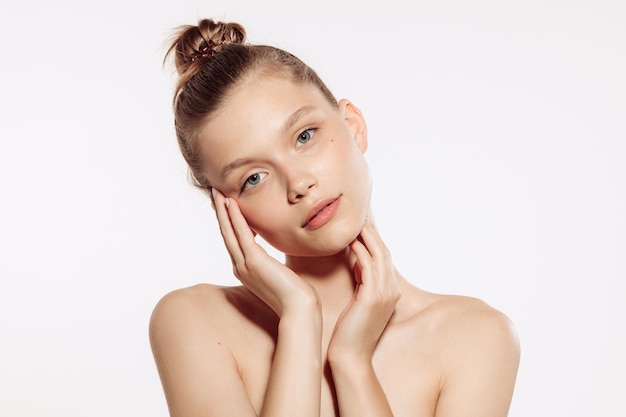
212,58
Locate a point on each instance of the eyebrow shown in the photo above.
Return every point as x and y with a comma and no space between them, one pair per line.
287,125
237,163
295,116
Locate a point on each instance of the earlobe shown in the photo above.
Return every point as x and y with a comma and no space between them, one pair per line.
355,121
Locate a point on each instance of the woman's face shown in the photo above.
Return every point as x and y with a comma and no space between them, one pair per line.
293,162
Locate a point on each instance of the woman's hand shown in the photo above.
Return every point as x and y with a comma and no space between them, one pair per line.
274,283
361,324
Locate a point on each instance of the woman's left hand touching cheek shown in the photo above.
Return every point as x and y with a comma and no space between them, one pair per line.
377,292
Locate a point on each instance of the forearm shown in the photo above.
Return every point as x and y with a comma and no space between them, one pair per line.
359,393
294,387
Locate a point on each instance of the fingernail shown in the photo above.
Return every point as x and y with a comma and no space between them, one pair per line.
226,201
213,193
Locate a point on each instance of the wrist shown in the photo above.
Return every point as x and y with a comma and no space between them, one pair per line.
300,332
301,305
349,359
355,367
301,315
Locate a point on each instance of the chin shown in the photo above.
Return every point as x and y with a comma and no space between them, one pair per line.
311,250
315,252
327,244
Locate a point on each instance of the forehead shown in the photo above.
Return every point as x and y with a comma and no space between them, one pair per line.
253,113
260,98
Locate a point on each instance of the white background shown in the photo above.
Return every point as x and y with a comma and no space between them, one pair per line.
497,144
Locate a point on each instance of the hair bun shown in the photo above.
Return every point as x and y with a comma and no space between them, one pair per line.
195,43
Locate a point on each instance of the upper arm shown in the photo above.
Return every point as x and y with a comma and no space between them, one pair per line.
481,365
198,371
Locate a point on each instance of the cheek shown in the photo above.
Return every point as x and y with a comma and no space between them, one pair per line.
261,217
268,227
355,168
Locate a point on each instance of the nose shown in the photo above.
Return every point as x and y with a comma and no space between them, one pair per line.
299,185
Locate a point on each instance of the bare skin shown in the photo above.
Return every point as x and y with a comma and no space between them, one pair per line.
336,330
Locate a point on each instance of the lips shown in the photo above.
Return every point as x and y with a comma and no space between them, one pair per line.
321,213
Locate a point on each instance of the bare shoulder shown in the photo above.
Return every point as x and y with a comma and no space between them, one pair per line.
195,337
460,315
474,349
190,300
187,317
203,307
461,323
479,356
187,305
452,315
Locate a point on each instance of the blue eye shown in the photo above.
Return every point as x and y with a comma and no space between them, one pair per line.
305,136
253,180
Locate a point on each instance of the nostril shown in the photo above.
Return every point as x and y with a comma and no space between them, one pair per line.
299,188
296,197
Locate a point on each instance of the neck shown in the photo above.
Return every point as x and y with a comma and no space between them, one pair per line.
331,276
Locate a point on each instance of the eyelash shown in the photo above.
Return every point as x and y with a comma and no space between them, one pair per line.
311,132
245,183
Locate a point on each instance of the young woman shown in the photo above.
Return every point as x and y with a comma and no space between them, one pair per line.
336,329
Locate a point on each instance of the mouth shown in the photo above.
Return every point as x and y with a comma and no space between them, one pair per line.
321,213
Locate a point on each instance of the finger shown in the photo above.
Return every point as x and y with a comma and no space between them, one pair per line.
384,272
355,264
364,263
211,197
374,243
226,227
245,235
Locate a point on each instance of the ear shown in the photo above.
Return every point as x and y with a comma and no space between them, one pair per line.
355,121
